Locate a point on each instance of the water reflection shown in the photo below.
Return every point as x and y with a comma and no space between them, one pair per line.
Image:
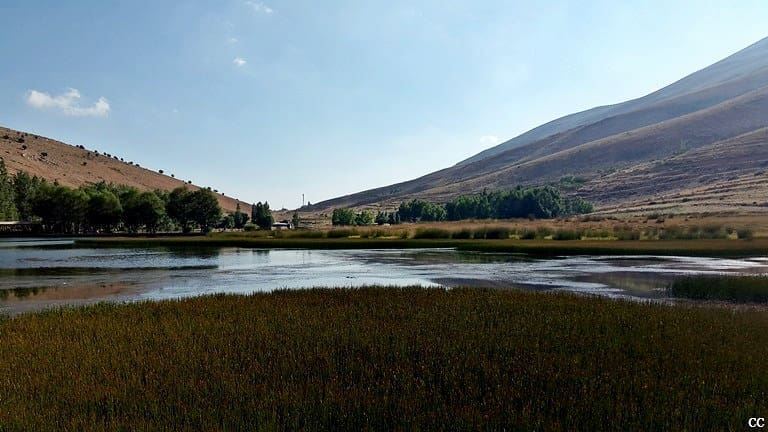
40,273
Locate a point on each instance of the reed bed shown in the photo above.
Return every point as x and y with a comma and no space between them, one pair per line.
384,359
553,230
740,289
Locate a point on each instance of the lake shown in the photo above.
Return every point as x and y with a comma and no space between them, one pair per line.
41,273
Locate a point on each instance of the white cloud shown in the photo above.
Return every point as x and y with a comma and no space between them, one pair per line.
232,40
490,140
239,61
68,103
259,7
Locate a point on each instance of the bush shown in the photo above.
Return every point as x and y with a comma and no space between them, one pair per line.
564,234
745,233
543,232
626,233
597,234
432,233
462,234
342,233
497,233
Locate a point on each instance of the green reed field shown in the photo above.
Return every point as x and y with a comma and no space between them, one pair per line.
384,359
732,288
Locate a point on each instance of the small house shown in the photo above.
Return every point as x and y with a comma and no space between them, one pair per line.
282,225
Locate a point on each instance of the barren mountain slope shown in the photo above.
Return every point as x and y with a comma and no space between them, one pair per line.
73,166
727,175
739,66
725,100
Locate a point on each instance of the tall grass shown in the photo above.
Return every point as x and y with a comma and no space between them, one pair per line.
431,233
384,359
742,289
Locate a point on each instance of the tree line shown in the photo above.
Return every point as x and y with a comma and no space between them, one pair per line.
536,202
105,208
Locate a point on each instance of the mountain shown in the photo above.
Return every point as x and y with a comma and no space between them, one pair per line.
715,112
76,166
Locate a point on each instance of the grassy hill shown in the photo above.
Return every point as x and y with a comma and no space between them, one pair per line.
76,166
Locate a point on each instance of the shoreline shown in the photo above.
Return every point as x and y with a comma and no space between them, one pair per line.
695,248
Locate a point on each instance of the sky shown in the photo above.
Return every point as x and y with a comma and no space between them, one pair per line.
272,99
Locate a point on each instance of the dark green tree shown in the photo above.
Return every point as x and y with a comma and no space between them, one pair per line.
343,217
7,195
104,210
204,209
262,215
239,219
365,217
25,189
227,222
382,218
143,210
178,208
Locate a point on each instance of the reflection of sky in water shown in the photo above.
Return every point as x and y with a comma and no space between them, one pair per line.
167,273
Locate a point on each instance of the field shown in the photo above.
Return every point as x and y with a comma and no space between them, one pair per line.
384,359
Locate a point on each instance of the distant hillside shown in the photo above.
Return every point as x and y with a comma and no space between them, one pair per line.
714,112
74,166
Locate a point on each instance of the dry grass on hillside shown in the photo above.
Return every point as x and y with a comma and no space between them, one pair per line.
74,166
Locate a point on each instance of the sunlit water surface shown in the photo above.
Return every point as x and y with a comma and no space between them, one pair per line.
37,273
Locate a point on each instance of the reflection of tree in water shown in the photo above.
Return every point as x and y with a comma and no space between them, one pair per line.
21,293
194,252
450,257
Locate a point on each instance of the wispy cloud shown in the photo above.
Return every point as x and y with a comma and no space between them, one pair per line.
239,61
259,7
490,140
233,40
68,103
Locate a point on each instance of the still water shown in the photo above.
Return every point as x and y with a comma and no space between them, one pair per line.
36,274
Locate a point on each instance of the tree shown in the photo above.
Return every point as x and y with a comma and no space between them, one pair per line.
143,209
343,216
239,219
382,218
62,210
262,215
25,190
365,217
420,210
104,210
227,222
204,209
296,220
178,208
7,195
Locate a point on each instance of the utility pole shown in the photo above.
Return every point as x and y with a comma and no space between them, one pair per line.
302,200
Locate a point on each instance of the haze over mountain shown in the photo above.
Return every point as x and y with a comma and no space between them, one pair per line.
622,155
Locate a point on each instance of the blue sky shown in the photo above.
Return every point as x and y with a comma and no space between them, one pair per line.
271,99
